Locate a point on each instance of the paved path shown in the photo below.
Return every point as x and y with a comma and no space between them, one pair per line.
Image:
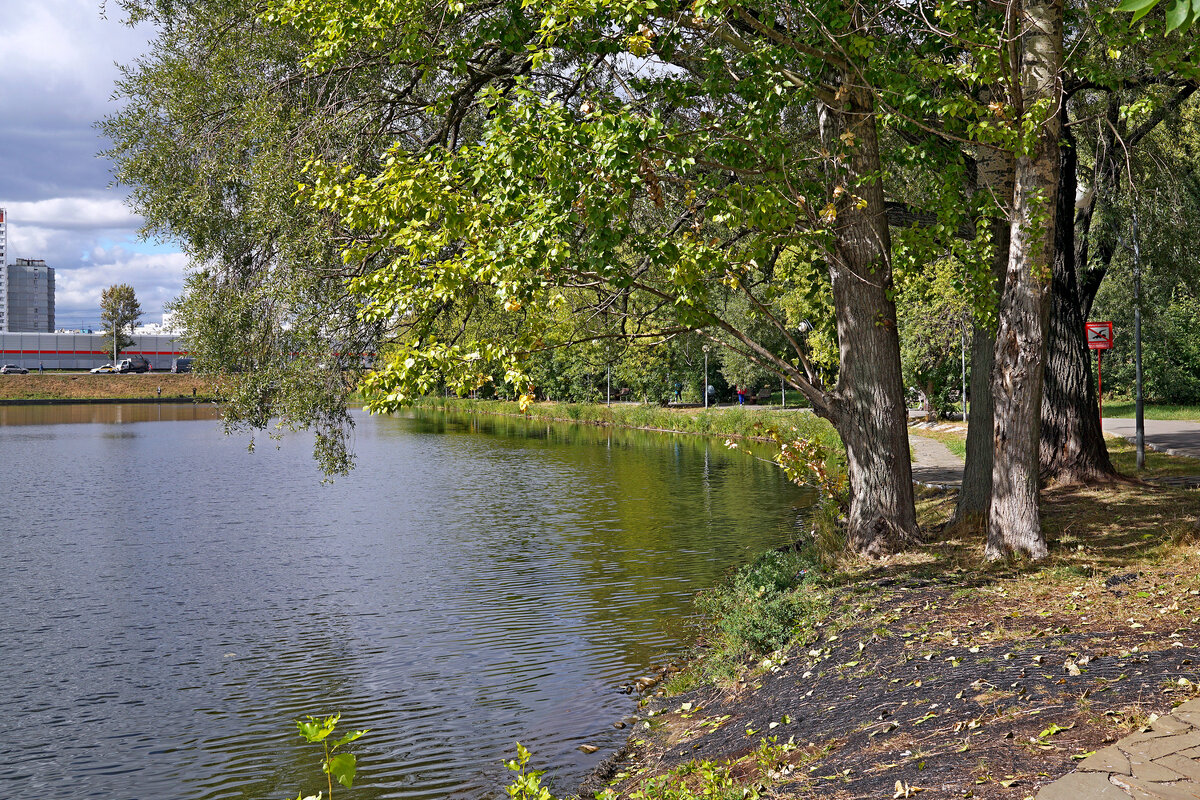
1162,763
933,463
1177,437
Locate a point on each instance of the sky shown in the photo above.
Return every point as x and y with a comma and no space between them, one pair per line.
56,83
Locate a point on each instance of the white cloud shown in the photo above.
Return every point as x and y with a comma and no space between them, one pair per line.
65,50
71,213
155,279
57,83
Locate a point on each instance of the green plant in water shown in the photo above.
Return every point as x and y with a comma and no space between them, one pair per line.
335,764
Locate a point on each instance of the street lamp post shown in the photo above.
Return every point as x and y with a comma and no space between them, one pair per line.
705,348
1139,413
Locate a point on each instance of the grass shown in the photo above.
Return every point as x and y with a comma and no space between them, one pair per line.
730,421
85,386
1158,465
1156,411
1017,613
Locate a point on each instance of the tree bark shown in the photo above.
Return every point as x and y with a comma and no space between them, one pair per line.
1072,442
995,170
1014,520
867,405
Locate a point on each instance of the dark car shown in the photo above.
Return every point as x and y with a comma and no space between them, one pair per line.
134,364
181,365
13,369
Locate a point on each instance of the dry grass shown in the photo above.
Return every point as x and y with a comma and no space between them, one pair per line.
85,386
998,677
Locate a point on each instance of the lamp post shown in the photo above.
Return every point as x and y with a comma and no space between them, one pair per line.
804,329
705,349
964,371
1139,413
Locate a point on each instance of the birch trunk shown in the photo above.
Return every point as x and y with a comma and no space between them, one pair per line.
1014,521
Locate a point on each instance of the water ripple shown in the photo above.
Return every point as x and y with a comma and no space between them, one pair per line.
474,583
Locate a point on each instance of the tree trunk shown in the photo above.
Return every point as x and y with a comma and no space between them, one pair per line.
1014,520
1072,443
975,496
867,405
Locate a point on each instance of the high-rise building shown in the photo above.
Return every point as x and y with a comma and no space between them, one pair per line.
3,237
27,297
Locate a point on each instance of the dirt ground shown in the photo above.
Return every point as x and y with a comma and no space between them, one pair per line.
86,386
952,682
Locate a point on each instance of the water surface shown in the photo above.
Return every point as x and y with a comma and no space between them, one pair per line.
174,601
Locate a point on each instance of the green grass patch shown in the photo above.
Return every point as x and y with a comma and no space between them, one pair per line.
765,606
1158,465
1126,410
729,421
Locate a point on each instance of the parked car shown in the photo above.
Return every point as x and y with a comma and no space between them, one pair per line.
133,364
103,368
181,364
13,369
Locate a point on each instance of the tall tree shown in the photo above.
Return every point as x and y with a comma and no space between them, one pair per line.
1037,44
119,312
537,161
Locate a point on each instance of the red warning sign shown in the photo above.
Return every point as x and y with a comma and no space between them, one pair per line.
1099,335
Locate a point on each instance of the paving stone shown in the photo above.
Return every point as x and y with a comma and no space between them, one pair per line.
1141,790
1170,724
1186,767
1079,785
1148,770
1137,738
1162,746
1162,763
1110,759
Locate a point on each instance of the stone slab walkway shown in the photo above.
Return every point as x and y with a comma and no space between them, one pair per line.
1162,763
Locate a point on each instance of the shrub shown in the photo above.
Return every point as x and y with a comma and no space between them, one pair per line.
765,605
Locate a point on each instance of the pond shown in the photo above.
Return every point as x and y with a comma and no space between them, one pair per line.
174,602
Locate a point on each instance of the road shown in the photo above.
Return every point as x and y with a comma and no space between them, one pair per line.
1177,437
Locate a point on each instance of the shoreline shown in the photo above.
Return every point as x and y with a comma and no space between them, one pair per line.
58,401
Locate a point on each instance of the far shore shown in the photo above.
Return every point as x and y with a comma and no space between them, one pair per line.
84,387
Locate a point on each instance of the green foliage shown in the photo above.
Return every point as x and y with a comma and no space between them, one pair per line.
119,312
764,606
527,784
317,730
741,421
934,314
1181,14
697,779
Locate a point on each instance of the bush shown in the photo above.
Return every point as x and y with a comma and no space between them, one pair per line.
765,605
